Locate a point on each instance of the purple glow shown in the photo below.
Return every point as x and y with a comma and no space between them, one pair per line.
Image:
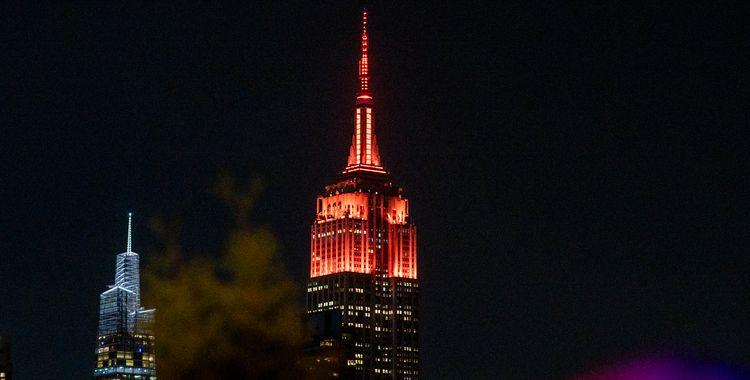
663,368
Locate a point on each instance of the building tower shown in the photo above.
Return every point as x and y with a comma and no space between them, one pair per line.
125,344
6,367
363,293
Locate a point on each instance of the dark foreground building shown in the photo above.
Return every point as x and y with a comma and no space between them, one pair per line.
363,293
6,368
125,344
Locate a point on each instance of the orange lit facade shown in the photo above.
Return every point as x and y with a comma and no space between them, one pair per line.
363,289
363,231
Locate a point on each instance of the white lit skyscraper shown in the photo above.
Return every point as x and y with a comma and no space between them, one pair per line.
125,344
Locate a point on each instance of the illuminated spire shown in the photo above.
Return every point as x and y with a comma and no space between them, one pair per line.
363,153
364,75
130,232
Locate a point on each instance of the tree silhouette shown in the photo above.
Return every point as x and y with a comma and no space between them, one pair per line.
232,316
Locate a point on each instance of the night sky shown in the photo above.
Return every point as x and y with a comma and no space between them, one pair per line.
577,174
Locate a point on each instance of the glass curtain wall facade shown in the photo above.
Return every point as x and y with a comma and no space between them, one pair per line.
125,342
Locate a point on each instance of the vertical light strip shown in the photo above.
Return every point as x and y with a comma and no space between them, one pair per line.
130,234
413,251
358,136
368,132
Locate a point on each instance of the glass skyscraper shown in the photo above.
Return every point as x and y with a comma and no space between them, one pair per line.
125,344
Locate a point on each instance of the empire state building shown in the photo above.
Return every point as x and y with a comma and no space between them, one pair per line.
363,292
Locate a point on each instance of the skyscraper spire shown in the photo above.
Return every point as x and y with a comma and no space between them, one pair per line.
364,96
130,232
363,153
127,267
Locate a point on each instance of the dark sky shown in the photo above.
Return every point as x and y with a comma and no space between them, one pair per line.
577,173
